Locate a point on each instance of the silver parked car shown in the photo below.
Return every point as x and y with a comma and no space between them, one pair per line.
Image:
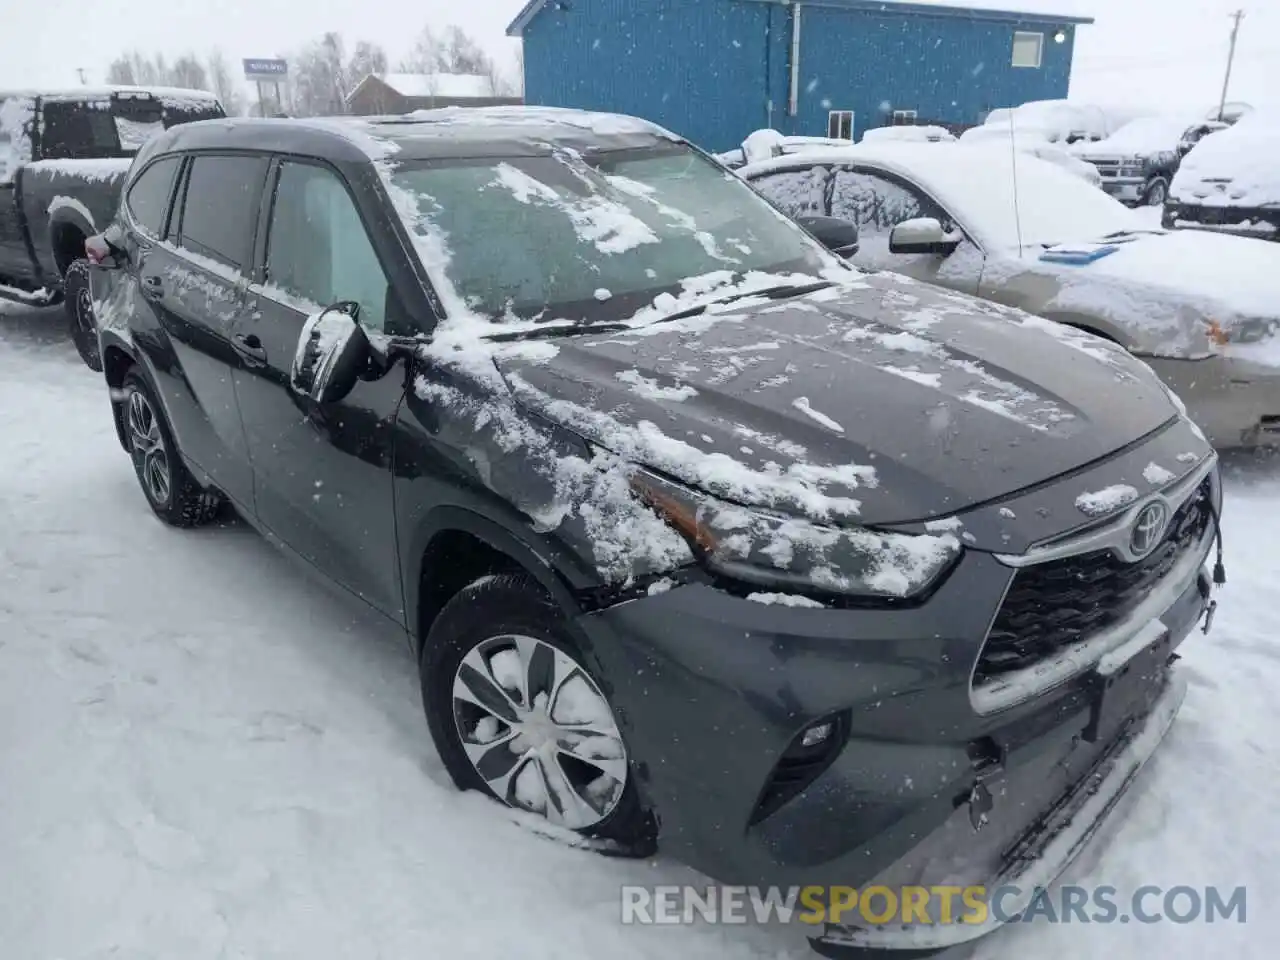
1202,309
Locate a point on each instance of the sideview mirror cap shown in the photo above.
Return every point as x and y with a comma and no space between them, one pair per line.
333,351
923,235
837,235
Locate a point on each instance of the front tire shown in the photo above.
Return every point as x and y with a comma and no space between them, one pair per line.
78,303
516,714
1157,192
170,489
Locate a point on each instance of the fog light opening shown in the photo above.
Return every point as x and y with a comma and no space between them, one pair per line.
816,734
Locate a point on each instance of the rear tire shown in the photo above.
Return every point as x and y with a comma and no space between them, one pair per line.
170,489
526,763
78,302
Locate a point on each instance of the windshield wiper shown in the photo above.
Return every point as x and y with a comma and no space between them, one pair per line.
556,330
782,291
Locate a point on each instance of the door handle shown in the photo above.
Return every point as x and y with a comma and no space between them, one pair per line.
152,287
248,345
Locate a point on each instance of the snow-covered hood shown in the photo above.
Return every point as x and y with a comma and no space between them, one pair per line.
1236,167
948,401
1160,289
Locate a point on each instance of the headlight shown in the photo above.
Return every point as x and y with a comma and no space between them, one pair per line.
789,553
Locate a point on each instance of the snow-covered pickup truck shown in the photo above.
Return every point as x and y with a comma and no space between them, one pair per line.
63,157
1138,162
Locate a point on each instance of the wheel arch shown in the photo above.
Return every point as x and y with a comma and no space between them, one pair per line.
1099,328
118,358
68,230
455,546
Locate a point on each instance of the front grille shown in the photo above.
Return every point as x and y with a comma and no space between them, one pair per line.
1052,605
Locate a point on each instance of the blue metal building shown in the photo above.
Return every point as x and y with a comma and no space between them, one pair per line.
715,70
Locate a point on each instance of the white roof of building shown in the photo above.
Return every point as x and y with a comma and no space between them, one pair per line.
457,85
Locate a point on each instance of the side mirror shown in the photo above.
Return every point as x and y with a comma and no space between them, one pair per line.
333,352
838,236
923,235
106,249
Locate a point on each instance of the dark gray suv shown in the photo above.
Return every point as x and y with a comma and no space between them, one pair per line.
703,538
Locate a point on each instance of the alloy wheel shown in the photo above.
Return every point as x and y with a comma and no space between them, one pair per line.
148,448
538,731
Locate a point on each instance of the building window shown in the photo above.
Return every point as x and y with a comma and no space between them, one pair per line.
1027,49
840,125
904,118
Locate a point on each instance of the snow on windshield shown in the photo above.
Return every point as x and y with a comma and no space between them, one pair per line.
528,235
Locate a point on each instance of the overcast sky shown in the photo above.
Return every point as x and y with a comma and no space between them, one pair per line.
1162,52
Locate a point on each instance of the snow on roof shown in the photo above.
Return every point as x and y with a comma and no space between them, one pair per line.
81,93
910,134
460,85
1142,137
1040,10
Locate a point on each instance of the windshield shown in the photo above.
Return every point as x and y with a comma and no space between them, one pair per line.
597,237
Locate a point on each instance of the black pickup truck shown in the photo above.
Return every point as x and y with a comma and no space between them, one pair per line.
63,157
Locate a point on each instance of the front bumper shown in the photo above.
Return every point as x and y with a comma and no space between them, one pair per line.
1045,853
1263,222
713,691
1233,399
1125,190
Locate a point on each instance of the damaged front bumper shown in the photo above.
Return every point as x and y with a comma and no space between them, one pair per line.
1039,856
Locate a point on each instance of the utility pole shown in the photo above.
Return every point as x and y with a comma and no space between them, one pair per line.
1231,57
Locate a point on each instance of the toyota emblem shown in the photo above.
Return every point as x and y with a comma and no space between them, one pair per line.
1148,529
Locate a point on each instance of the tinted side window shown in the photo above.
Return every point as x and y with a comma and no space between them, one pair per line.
877,204
77,129
317,248
148,199
221,208
797,193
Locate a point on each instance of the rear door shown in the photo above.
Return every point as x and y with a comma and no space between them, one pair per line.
322,473
195,289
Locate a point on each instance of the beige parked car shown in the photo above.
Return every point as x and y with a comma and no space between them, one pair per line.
1202,309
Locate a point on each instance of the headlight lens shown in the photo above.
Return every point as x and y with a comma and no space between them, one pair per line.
788,553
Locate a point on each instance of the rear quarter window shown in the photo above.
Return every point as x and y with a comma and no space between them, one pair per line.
220,207
77,130
797,193
148,198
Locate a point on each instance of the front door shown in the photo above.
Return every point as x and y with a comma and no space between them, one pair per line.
322,473
193,286
877,202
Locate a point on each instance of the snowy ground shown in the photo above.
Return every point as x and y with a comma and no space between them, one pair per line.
204,755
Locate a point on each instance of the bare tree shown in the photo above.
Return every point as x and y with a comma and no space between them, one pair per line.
188,72
120,71
427,54
368,58
223,86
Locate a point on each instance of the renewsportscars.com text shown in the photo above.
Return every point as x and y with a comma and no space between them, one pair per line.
942,905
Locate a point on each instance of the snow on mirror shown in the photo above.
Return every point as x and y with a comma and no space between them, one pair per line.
923,235
332,352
